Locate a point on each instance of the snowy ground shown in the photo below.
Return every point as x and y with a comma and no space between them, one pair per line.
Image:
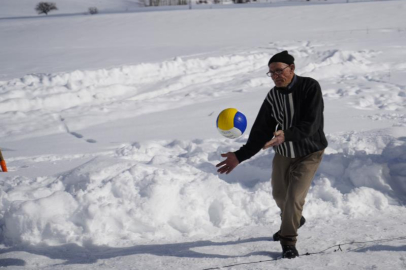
107,124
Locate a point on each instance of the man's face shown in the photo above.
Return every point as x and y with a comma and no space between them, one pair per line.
281,73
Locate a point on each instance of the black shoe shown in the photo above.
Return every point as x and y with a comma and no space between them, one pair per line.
276,236
289,252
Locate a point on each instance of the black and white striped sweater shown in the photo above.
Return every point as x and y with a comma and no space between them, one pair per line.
298,111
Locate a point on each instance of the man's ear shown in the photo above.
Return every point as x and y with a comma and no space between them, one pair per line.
292,67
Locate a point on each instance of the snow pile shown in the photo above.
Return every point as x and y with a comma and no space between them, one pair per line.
360,173
170,189
143,191
368,160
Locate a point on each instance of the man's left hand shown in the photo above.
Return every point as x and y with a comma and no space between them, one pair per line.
277,140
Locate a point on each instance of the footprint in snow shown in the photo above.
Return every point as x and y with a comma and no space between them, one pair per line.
80,136
77,135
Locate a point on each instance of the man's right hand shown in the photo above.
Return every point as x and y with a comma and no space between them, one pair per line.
226,166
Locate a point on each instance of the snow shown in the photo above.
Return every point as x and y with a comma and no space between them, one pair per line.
108,131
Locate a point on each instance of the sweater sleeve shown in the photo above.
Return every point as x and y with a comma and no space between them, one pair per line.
313,117
261,132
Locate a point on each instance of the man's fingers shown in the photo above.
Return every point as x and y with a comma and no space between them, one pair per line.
227,165
222,169
269,144
226,169
221,163
266,146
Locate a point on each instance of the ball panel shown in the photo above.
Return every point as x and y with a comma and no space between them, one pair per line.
225,120
232,133
240,122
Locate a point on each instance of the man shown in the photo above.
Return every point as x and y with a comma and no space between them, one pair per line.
294,108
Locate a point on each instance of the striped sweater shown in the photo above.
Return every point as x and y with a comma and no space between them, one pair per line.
298,111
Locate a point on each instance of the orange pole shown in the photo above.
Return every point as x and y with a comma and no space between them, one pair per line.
2,163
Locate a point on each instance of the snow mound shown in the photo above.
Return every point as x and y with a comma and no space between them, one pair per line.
145,191
170,189
368,160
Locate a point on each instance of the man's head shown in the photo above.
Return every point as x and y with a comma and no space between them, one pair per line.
281,68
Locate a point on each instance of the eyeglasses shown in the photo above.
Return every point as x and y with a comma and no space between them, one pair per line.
276,72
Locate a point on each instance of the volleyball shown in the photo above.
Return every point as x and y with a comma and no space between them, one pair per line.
231,123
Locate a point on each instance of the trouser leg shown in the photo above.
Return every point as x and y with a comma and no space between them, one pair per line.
299,176
280,179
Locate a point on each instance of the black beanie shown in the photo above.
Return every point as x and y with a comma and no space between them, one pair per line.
283,57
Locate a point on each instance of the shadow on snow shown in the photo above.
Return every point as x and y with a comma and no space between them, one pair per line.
75,254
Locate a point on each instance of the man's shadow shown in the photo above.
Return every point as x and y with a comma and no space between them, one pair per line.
88,254
11,262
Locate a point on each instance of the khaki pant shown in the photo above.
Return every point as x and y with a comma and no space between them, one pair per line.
291,180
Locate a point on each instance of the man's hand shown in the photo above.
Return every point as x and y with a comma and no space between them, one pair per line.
226,166
277,140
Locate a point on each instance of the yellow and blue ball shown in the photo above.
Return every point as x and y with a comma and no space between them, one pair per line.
231,123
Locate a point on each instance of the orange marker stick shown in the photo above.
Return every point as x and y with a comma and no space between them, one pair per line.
2,163
3,166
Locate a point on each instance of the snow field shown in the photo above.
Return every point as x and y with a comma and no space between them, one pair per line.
170,189
112,165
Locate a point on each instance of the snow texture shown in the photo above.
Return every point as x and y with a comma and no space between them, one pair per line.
111,145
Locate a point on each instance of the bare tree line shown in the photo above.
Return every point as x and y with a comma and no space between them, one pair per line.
163,2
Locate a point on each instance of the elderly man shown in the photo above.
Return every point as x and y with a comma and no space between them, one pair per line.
294,108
